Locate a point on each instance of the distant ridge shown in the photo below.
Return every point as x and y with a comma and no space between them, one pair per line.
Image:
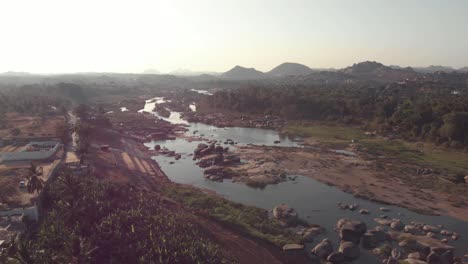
434,68
242,73
376,71
290,69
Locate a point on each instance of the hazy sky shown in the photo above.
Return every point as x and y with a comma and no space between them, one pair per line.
214,35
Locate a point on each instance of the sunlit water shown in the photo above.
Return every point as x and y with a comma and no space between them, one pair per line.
314,201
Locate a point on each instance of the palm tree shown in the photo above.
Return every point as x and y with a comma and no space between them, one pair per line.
35,183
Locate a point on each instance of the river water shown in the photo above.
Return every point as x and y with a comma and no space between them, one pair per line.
313,200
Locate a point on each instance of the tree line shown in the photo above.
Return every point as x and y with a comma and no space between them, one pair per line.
437,113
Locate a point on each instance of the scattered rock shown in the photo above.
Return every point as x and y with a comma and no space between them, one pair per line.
446,233
384,209
412,229
391,261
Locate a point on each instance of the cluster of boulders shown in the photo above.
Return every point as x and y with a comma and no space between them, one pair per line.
213,157
167,152
420,229
352,207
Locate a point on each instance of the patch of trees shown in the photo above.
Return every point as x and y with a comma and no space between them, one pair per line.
92,221
31,102
413,111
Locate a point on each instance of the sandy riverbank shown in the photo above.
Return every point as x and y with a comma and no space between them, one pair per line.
354,174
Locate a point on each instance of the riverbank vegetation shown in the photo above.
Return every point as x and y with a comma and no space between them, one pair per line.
249,220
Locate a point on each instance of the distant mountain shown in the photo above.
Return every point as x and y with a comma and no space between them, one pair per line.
434,68
464,69
241,73
371,70
290,69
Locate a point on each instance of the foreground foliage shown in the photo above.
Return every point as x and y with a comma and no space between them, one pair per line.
90,221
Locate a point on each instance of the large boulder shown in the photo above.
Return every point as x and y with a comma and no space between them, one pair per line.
351,230
350,250
285,214
323,249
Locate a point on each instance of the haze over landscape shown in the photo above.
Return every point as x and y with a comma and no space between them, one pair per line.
133,36
234,131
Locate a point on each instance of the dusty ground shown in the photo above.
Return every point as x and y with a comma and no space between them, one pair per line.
32,126
352,174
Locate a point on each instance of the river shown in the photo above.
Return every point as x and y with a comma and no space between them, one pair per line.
313,200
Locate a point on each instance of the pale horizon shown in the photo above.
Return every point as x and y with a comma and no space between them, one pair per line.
53,37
